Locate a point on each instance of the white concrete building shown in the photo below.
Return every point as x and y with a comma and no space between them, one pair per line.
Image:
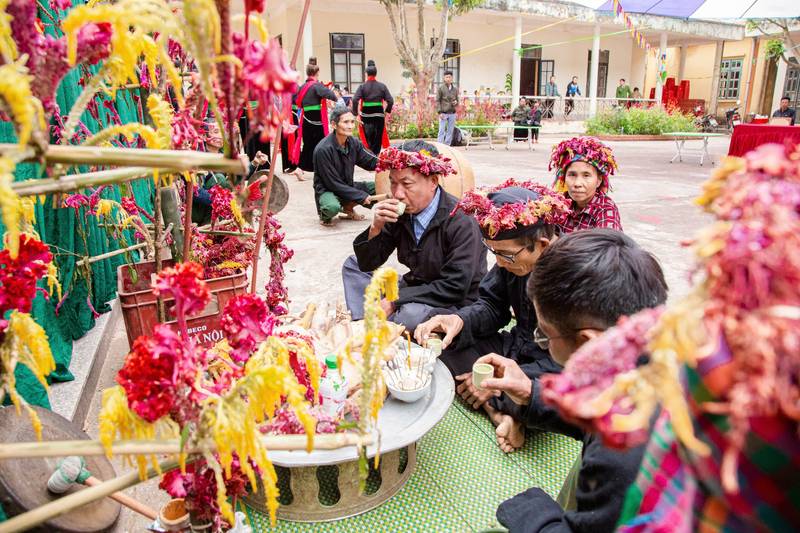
344,34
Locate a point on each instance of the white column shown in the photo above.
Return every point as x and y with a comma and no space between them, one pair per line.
662,49
712,105
595,68
516,62
780,82
308,46
682,64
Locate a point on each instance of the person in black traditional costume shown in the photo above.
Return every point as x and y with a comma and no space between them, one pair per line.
371,103
518,221
312,119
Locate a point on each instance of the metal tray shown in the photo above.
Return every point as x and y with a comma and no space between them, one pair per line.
399,424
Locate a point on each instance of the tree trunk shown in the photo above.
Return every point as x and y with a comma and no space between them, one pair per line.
422,104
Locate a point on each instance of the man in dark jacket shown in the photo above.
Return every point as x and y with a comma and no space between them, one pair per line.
372,102
335,159
581,285
444,255
446,104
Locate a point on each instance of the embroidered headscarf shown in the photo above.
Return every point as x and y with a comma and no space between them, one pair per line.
586,149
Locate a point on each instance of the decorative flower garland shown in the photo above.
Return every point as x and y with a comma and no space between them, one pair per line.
586,149
426,163
551,207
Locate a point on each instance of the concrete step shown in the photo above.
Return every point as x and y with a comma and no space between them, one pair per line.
72,399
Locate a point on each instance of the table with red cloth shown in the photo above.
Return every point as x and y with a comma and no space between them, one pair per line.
749,136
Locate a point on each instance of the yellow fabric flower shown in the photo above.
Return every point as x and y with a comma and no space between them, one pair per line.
18,102
26,343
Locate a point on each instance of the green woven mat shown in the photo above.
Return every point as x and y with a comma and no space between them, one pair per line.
461,477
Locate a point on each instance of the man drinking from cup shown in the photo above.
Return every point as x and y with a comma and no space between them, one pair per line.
443,253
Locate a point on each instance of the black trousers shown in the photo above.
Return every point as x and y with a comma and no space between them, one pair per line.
286,164
312,135
373,132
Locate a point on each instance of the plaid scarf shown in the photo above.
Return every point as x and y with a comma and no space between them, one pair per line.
677,491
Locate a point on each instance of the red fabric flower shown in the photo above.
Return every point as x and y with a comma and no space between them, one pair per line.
426,163
156,371
18,276
246,322
184,283
551,207
221,199
277,295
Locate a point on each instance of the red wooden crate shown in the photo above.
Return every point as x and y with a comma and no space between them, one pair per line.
140,310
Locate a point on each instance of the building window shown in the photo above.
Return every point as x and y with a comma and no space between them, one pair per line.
452,63
347,59
730,76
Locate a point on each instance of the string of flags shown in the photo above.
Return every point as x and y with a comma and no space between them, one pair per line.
638,38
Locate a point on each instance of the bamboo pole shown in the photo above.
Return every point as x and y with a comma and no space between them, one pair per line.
157,230
271,174
172,446
77,499
96,258
75,182
187,219
170,160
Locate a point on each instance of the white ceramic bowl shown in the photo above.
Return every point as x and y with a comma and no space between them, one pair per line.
409,396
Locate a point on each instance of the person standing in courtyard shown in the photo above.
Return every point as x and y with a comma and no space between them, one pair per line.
521,117
551,92
623,93
583,166
572,90
443,253
371,103
446,104
335,159
311,101
536,120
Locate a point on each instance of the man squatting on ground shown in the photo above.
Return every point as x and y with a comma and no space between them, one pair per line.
335,159
443,253
580,286
518,221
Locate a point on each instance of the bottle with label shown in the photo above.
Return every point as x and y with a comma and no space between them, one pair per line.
333,389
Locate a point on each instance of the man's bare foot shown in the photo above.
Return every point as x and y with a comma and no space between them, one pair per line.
510,434
326,223
352,215
298,173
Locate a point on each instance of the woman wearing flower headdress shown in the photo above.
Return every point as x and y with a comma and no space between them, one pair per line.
583,166
443,253
518,221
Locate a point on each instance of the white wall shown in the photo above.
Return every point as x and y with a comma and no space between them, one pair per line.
486,68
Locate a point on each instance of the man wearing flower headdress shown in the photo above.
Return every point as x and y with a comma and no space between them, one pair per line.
583,166
443,253
518,220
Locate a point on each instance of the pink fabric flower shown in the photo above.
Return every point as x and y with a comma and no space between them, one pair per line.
221,199
592,369
184,283
426,163
266,78
246,322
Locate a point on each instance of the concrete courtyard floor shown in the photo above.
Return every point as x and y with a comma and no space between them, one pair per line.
654,198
